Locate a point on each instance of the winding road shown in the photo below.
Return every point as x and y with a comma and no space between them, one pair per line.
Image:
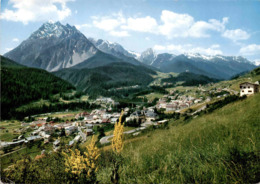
104,140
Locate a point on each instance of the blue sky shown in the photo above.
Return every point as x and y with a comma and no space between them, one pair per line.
227,27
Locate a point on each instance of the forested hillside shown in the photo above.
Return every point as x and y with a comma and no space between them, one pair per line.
103,80
190,79
21,85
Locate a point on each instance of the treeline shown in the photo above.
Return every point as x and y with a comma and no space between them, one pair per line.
51,108
222,103
190,79
21,85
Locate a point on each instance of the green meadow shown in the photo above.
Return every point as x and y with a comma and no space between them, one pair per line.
220,147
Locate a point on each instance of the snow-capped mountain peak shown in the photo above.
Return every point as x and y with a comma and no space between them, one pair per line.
198,56
148,56
53,46
53,29
112,48
215,58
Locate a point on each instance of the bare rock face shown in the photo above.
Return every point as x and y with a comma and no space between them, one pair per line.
52,47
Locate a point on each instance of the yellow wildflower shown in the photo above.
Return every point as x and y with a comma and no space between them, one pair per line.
117,142
78,164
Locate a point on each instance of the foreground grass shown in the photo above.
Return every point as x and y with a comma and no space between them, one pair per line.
221,147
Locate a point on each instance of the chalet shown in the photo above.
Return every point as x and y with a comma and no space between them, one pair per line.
116,115
70,129
80,123
248,88
105,120
81,115
89,118
56,145
183,106
88,126
113,120
150,116
49,129
162,105
135,115
106,116
171,107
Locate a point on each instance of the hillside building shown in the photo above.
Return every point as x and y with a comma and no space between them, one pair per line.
248,88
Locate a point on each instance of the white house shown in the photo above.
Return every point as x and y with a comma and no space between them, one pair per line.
171,107
248,88
70,129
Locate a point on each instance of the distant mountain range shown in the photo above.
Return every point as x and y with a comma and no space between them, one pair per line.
218,66
113,48
55,46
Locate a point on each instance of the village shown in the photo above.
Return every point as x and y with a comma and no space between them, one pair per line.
81,125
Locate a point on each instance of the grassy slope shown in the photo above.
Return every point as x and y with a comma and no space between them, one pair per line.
220,147
252,76
8,134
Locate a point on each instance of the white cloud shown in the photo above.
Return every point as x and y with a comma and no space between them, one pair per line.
180,49
147,38
36,10
257,62
184,25
109,23
201,28
83,26
145,24
174,24
119,33
159,48
8,49
207,51
236,34
15,40
170,25
252,49
215,46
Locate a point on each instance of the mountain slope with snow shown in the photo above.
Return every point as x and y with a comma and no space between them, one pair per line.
217,66
112,47
52,47
148,56
116,50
